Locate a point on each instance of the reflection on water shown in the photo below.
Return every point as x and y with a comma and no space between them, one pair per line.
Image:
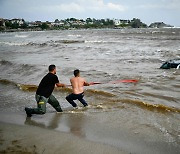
72,122
75,123
53,123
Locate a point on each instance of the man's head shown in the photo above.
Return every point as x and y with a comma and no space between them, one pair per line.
76,73
52,69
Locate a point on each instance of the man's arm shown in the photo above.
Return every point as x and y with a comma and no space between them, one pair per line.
86,83
60,85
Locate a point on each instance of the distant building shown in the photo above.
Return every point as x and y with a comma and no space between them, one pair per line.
60,23
118,22
18,21
38,22
2,22
49,24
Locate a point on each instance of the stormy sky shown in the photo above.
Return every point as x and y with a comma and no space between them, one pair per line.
148,11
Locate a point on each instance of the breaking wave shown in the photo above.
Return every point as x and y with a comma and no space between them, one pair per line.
13,43
108,100
17,70
21,36
58,42
48,43
6,63
20,66
69,41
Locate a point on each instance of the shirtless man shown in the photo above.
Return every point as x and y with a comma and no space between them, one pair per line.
78,91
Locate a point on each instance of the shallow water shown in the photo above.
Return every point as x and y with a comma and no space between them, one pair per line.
148,109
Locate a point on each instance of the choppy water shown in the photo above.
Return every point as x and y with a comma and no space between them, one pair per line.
102,56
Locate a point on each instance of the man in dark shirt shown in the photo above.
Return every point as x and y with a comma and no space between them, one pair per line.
44,93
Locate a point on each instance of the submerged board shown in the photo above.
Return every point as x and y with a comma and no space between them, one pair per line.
171,64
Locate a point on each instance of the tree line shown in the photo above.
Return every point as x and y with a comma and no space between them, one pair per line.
73,23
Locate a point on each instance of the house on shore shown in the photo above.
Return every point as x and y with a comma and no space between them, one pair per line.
20,22
118,22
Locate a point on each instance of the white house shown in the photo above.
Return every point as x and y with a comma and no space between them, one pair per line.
18,21
118,22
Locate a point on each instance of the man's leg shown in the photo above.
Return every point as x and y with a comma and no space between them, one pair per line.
54,103
41,106
80,98
70,99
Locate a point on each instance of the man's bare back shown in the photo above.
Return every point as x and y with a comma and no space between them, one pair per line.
78,84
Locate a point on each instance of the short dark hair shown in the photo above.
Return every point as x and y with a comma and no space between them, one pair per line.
76,72
51,68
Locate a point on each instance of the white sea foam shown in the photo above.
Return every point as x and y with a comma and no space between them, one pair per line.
74,35
14,43
21,36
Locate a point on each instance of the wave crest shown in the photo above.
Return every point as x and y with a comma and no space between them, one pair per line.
6,63
108,101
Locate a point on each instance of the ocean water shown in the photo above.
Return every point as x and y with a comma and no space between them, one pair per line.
148,109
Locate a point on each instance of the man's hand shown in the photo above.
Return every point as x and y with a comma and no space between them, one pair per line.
60,85
86,84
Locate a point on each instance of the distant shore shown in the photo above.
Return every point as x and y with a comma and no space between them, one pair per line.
11,25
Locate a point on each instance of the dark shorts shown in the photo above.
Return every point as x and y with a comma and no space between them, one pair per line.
72,97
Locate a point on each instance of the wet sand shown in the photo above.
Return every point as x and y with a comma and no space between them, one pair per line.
26,139
79,132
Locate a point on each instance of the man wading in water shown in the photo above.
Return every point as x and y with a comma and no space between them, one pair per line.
78,91
44,93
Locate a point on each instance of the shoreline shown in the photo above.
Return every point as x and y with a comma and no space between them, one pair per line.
34,30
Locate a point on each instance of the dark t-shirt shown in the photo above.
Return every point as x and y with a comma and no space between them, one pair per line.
47,85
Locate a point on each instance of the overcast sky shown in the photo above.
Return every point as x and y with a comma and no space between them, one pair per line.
148,11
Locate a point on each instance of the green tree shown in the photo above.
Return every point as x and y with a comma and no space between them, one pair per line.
73,19
103,21
44,26
8,24
24,25
15,25
136,23
89,20
110,22
56,21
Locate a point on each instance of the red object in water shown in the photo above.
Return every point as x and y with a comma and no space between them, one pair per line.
126,81
117,81
92,83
